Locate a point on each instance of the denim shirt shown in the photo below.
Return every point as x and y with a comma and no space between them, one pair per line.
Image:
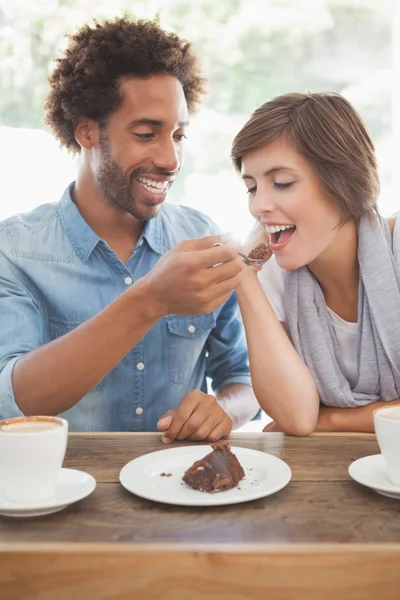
55,273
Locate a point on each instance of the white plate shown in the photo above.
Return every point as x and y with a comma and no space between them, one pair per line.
371,471
72,486
264,475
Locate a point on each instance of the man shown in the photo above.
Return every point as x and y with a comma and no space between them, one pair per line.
97,292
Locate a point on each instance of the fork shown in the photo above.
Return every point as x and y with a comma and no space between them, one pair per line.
253,261
248,261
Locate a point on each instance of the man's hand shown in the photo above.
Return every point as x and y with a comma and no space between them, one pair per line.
198,417
196,277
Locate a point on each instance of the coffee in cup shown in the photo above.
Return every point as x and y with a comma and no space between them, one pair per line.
32,451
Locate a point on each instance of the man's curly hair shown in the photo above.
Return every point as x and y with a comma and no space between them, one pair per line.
85,80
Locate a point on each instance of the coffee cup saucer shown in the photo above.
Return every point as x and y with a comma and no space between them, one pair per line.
72,486
371,471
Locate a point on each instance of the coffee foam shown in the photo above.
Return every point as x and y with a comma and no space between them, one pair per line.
29,426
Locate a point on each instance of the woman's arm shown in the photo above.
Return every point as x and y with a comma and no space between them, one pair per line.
282,382
360,419
344,420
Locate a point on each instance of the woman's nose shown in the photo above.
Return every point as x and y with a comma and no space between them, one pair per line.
261,203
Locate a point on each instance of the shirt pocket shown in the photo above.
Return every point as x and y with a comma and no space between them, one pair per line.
187,337
57,329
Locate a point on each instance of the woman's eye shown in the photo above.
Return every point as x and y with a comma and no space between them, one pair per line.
282,186
251,190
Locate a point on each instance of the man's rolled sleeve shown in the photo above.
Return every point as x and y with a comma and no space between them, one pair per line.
228,360
22,328
8,406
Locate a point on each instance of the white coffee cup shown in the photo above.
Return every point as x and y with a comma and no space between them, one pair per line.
387,429
32,451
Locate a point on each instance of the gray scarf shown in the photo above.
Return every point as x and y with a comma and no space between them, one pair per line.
378,337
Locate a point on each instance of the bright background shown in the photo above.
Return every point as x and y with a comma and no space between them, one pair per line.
252,50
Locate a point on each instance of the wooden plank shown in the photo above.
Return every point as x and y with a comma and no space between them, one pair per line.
311,512
322,537
319,458
341,434
161,573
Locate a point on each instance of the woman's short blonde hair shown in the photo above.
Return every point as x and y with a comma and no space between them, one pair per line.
330,134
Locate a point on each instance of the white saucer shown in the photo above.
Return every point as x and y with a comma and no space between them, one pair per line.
265,475
371,471
72,486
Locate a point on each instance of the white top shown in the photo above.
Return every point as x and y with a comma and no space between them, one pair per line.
271,278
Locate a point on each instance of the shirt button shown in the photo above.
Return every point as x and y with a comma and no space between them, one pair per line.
140,366
128,280
141,242
139,411
191,329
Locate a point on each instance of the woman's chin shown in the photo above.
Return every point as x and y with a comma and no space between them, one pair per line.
289,263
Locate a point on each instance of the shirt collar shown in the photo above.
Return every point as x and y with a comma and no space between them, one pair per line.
82,237
84,240
154,235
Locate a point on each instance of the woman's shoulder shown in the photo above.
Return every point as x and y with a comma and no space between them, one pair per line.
272,280
394,224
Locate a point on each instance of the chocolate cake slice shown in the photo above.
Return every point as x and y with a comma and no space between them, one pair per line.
260,252
218,471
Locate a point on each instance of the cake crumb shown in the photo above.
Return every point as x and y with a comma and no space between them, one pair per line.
166,475
260,252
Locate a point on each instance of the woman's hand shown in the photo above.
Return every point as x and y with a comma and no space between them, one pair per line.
272,427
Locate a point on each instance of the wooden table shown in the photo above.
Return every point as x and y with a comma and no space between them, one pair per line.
322,537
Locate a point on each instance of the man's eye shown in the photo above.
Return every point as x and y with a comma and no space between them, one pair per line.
144,136
251,190
180,137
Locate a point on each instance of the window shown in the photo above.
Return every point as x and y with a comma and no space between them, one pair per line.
252,50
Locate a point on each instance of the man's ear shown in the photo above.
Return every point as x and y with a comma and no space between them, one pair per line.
86,133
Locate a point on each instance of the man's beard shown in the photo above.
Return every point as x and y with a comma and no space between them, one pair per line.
113,182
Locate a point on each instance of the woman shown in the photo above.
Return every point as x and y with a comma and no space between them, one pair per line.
324,329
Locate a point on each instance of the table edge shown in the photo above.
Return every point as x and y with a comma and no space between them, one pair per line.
218,548
233,434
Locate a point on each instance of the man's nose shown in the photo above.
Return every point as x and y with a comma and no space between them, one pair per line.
169,156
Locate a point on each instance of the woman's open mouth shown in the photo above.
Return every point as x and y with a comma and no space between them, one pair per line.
279,235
